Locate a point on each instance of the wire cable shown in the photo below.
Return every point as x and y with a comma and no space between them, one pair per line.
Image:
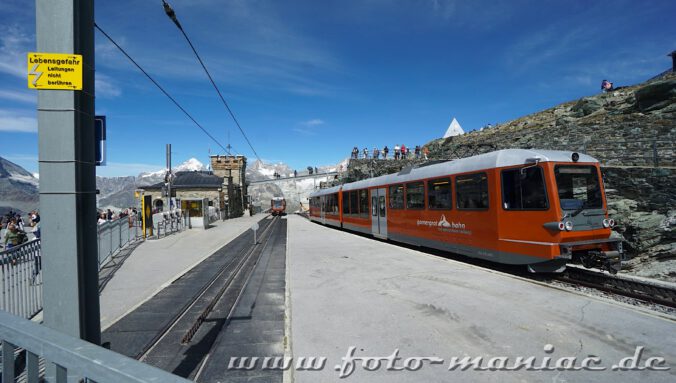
172,15
161,88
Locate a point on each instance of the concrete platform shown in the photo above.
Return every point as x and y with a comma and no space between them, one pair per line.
347,291
156,263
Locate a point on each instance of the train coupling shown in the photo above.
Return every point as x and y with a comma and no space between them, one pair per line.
610,261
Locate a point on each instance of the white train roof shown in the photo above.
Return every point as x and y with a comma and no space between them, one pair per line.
497,159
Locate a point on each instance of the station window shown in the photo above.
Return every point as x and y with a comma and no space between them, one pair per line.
415,195
472,191
396,196
524,189
364,203
354,203
439,194
346,203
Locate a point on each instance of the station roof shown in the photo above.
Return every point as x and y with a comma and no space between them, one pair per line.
191,180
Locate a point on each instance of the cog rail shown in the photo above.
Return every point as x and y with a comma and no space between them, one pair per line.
642,290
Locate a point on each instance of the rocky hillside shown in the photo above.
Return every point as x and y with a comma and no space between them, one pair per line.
625,127
18,188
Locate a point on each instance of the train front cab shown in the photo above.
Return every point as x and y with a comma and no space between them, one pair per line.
556,212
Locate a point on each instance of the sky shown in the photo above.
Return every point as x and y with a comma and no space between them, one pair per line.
308,80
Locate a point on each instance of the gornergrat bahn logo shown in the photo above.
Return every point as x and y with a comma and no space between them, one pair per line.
443,225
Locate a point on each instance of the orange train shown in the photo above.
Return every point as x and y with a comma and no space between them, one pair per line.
538,208
278,206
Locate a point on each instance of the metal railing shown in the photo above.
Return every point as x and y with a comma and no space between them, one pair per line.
21,266
21,279
170,223
72,357
114,235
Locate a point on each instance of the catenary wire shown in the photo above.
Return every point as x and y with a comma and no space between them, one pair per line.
161,88
172,15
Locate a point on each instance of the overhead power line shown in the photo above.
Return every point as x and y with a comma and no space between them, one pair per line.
162,89
172,15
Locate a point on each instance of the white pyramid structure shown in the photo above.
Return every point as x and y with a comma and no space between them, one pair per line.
454,129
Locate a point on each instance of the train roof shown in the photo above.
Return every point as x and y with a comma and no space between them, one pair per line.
497,159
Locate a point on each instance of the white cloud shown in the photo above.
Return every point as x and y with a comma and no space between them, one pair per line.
313,122
309,127
267,53
105,86
20,96
13,121
14,44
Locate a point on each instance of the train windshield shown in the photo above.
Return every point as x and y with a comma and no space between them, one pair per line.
579,187
277,203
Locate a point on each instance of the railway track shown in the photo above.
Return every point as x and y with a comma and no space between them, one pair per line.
182,344
651,292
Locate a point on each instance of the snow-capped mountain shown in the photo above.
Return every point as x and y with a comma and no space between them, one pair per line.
294,190
149,178
18,188
262,171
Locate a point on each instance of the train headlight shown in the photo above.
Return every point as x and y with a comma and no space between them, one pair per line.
575,157
611,222
568,225
606,223
562,227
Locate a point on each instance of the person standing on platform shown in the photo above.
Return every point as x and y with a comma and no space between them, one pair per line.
385,151
397,151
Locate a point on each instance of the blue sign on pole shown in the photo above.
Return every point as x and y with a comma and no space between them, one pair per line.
100,131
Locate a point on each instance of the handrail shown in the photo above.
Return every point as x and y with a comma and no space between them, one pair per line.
70,354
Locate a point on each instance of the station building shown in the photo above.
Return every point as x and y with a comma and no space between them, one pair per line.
188,186
232,169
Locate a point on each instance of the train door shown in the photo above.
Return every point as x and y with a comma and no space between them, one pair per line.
378,213
322,214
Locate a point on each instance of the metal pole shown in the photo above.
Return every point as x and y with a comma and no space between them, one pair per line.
169,177
68,175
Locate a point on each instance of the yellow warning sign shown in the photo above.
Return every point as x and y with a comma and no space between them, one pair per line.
54,71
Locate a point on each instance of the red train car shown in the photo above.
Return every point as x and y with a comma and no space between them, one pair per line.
537,208
278,206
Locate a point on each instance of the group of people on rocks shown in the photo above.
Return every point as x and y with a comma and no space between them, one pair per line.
399,153
16,228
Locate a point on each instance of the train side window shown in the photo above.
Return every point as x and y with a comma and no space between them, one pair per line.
471,191
524,189
364,203
354,203
374,206
439,194
397,196
346,203
415,195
